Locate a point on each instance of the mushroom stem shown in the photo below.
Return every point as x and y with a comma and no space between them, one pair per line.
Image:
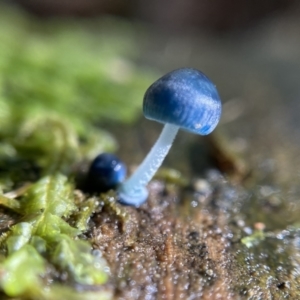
134,187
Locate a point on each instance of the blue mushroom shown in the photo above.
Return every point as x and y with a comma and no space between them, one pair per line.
106,172
184,98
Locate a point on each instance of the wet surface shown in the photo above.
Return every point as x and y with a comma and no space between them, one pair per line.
201,243
162,250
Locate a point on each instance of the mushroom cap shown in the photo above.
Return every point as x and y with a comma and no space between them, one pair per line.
186,98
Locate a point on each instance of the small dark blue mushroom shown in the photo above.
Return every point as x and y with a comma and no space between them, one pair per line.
106,172
184,98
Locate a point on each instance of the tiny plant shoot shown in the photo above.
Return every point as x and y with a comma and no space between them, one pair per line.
184,98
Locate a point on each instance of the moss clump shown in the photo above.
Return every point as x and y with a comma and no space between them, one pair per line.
58,81
45,237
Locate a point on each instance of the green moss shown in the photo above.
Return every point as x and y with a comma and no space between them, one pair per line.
58,82
85,210
253,239
20,272
44,234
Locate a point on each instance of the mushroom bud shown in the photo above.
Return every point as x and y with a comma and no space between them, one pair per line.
184,98
105,173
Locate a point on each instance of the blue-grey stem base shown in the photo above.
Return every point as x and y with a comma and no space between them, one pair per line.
133,191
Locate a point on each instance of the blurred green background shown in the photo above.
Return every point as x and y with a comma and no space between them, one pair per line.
88,63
